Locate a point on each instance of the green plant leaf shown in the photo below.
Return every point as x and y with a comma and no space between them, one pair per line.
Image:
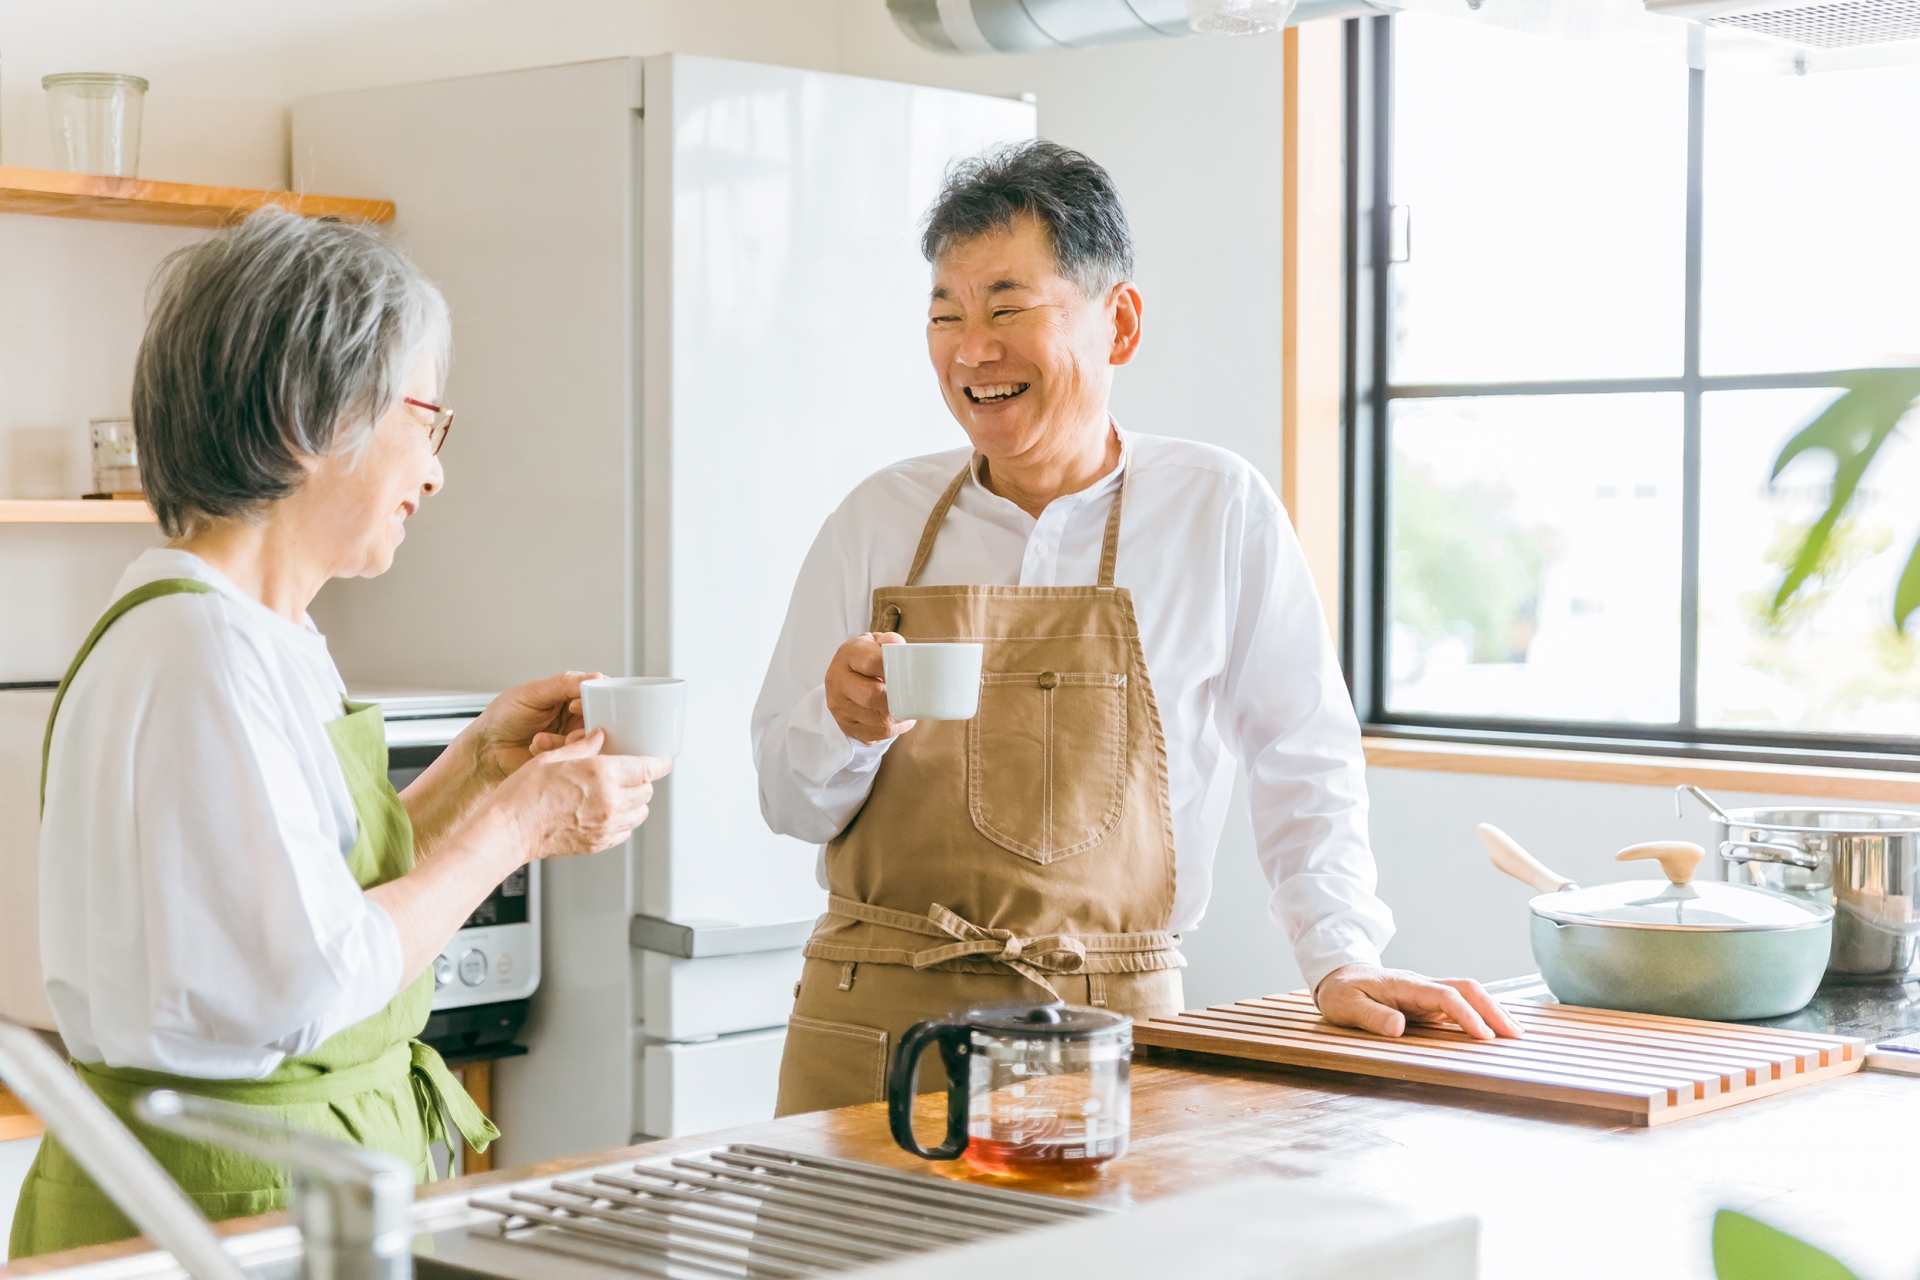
1746,1249
1852,429
1906,596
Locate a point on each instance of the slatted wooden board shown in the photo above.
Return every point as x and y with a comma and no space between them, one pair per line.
1652,1069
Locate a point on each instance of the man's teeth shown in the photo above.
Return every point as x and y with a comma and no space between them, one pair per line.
996,392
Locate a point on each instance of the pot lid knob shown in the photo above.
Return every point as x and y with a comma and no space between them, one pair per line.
1678,858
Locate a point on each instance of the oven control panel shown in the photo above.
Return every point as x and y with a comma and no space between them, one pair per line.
496,954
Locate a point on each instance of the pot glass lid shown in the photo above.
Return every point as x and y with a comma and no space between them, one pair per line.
1703,904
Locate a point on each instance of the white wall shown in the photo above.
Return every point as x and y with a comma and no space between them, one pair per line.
15,1158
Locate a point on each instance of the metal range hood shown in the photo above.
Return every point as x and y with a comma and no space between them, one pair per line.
1811,24
1034,26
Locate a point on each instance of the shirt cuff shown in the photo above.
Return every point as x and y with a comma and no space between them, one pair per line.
1331,946
819,751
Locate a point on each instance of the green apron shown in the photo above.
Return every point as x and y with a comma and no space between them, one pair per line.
372,1084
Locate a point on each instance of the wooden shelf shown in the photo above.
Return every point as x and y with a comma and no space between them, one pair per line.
15,1120
73,511
174,204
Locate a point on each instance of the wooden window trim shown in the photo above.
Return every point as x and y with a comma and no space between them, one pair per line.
1312,258
1862,786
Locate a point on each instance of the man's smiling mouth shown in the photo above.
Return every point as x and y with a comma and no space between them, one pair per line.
995,393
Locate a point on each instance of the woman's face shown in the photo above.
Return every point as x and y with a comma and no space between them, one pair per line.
360,509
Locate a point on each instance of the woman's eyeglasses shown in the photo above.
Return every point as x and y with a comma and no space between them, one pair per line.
441,424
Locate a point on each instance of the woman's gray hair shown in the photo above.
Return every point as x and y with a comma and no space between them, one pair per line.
281,339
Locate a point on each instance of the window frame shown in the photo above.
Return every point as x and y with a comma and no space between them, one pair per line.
1366,451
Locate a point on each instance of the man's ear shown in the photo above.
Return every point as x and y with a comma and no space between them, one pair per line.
1125,305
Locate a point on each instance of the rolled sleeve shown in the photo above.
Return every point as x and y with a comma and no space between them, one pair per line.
1283,706
813,777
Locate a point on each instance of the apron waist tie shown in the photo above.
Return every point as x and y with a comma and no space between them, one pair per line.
414,1063
1032,958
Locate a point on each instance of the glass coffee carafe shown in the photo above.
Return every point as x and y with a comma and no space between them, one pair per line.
1035,1090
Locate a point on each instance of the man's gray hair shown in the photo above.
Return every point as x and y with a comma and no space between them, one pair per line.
1073,198
281,339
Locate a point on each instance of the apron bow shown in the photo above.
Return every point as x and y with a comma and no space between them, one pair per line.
1032,958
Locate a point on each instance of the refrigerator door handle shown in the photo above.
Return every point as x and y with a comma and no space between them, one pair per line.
699,939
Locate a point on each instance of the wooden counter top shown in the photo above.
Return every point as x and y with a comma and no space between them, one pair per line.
1558,1192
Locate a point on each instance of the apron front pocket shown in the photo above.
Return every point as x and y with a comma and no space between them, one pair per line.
1047,760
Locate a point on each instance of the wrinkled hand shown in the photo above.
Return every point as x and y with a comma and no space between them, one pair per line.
1382,1001
571,799
521,723
857,689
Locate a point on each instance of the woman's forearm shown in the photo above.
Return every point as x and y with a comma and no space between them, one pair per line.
432,901
447,792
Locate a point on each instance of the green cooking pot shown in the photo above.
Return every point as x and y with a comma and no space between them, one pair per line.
1688,949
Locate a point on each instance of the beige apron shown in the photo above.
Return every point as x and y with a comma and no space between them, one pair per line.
1021,855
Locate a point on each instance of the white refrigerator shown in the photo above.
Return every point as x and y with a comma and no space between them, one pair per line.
688,312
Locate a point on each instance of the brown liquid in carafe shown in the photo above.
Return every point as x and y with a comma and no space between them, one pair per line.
1039,1129
1031,1159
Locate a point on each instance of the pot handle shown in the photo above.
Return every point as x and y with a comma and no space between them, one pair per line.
1688,789
1509,857
1678,858
953,1040
1758,851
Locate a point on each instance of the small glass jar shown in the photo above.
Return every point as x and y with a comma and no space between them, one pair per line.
1238,17
95,118
116,459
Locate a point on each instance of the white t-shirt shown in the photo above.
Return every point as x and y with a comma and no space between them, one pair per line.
196,911
1237,649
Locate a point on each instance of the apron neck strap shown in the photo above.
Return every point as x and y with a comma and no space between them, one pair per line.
1109,542
934,522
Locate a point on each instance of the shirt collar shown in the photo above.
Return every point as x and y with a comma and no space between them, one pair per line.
1105,484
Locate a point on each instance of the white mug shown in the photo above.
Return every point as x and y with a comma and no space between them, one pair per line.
643,715
932,681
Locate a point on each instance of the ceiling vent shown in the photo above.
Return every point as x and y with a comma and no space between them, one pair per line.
1831,24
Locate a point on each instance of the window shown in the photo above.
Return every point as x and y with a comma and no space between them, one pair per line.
1591,294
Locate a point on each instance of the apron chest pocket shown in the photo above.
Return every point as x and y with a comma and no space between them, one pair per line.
1047,760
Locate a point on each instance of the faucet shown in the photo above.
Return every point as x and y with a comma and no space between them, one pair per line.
353,1207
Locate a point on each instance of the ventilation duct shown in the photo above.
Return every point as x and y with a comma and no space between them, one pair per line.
1033,26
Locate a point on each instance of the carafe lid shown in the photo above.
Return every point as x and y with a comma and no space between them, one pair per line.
1066,1020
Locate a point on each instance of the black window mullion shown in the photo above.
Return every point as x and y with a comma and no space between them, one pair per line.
1690,446
1379,257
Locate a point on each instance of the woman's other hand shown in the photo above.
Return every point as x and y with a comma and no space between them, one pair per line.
523,722
570,799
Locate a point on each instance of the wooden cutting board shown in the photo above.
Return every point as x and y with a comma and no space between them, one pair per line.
1652,1069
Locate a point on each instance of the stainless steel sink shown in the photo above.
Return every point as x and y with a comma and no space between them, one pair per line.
739,1210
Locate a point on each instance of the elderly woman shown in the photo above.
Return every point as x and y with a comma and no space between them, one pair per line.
235,902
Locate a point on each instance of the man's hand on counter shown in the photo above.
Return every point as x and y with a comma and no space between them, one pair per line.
1383,1000
857,689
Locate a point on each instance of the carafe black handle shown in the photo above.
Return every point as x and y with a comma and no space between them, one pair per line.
953,1039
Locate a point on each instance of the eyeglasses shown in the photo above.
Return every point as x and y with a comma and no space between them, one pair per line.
441,424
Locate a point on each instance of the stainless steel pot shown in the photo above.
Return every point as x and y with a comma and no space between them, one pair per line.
1687,949
1863,862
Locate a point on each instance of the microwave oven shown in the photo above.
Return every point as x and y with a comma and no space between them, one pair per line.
494,958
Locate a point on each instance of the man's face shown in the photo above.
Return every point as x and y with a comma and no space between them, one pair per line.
1025,360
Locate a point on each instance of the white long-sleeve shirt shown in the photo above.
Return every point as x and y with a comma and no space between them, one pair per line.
196,911
1236,647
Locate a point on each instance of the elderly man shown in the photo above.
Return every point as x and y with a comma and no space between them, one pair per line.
1147,618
